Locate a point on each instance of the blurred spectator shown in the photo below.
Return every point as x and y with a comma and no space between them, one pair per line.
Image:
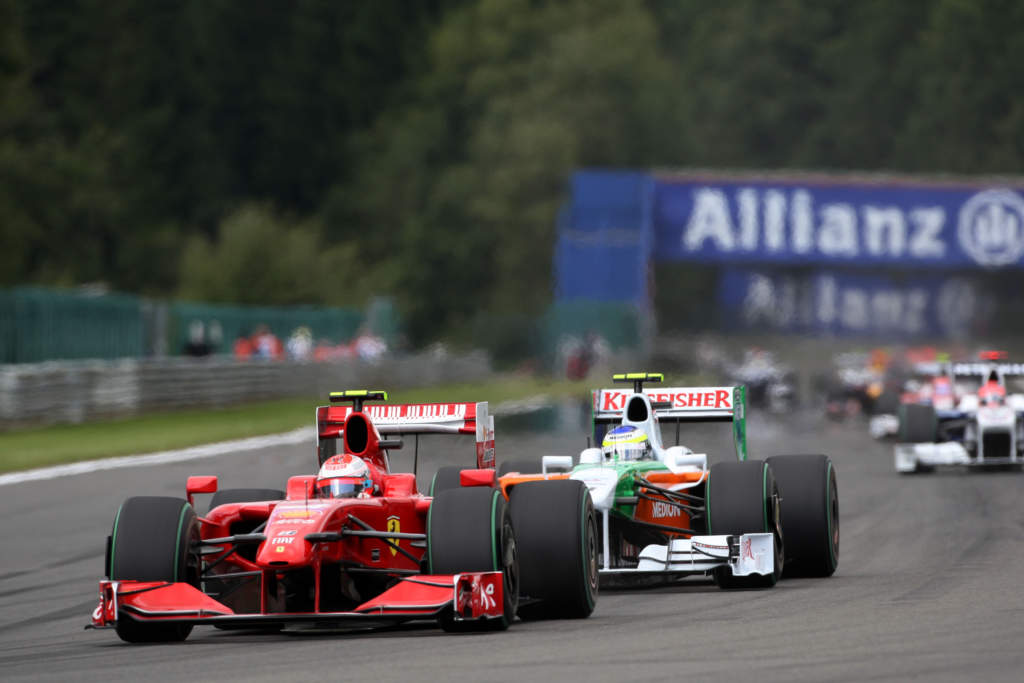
197,345
244,347
368,346
300,344
266,344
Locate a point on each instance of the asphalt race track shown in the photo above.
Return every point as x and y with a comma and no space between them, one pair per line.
929,587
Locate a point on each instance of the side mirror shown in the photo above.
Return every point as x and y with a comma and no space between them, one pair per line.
678,460
555,463
199,484
481,477
301,487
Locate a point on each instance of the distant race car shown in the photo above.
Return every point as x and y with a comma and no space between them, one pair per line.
983,428
355,545
928,383
666,514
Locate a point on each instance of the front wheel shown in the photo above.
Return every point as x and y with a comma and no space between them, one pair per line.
743,498
556,530
154,539
470,530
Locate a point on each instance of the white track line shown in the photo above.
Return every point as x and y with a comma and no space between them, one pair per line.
194,453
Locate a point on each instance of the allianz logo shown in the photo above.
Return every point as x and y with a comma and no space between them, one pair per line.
990,226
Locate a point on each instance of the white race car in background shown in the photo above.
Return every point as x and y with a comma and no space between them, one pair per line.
985,428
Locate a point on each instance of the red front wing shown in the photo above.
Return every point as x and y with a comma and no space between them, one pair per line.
470,596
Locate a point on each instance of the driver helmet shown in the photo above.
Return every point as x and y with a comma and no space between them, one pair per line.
626,443
992,394
344,476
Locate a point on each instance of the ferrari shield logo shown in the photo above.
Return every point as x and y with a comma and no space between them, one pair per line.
396,526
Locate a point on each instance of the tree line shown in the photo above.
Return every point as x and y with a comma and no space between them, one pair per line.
319,152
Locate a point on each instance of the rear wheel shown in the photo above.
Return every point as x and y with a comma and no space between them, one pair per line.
244,496
470,530
743,498
556,531
154,540
810,513
445,478
918,423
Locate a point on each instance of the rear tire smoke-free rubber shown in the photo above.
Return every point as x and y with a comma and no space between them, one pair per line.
809,509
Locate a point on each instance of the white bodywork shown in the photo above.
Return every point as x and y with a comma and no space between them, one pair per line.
748,553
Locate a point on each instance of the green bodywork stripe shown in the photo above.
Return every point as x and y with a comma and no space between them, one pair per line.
584,556
707,503
739,420
828,511
113,543
177,542
764,495
494,536
430,542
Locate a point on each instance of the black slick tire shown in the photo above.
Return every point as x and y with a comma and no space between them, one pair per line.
470,530
556,532
244,496
153,540
809,511
445,479
918,423
742,498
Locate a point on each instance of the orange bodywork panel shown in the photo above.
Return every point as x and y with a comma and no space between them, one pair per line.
658,511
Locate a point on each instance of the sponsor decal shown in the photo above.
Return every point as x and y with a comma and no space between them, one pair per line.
711,398
282,541
745,551
991,227
661,510
307,512
279,549
710,546
429,413
375,555
487,597
394,526
289,532
773,223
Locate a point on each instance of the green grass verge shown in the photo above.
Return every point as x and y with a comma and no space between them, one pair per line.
42,446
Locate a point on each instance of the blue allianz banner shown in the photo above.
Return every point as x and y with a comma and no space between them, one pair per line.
827,302
836,223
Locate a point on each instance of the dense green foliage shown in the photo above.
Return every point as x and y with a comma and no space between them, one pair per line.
262,152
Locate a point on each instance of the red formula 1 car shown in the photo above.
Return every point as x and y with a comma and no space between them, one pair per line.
356,545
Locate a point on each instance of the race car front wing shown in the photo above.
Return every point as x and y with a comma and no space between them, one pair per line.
470,596
744,555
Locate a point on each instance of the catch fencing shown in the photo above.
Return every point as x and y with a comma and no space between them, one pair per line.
79,391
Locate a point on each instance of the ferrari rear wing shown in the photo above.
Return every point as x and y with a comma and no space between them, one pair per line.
416,418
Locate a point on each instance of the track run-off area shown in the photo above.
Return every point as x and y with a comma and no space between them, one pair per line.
928,586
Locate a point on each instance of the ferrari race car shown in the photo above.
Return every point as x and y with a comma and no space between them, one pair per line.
666,514
983,428
355,545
